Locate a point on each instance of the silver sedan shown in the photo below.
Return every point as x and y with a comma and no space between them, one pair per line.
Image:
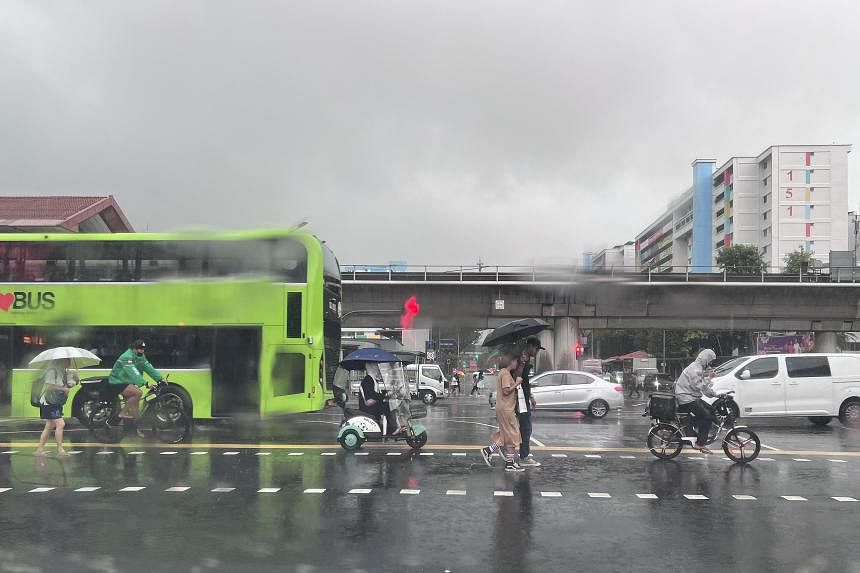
574,390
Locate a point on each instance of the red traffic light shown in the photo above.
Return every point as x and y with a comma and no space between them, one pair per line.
578,350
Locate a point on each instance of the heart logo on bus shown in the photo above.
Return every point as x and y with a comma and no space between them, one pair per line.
6,300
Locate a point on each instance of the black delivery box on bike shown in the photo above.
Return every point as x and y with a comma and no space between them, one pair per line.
661,406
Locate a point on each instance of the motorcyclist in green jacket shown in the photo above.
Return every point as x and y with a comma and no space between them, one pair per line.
128,371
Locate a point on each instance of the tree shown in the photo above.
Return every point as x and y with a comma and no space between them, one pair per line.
741,260
798,261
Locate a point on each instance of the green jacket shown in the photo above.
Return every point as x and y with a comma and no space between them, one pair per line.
129,369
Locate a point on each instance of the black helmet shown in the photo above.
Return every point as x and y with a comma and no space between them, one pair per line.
138,344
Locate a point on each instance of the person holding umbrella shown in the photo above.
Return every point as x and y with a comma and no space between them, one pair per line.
526,405
56,384
506,439
51,390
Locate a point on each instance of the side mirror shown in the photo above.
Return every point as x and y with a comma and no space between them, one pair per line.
745,375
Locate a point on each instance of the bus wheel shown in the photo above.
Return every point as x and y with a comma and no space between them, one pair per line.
428,398
417,441
350,440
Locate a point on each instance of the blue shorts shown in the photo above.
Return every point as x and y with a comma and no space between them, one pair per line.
51,412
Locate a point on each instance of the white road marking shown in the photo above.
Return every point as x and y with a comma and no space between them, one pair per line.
427,454
133,488
269,490
362,453
263,454
179,488
296,454
535,440
841,498
41,489
456,492
86,489
793,498
647,496
136,453
694,458
222,489
167,453
837,461
801,460
9,452
360,491
559,455
459,454
766,459
770,448
593,456
410,491
393,454
74,452
230,454
600,495
320,490
627,457
476,423
498,493
199,453
745,497
5,489
104,453
328,454
550,494
695,496
727,459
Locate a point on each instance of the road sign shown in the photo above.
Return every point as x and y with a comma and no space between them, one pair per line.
431,355
447,343
500,304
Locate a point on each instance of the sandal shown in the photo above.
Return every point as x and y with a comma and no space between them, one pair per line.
703,450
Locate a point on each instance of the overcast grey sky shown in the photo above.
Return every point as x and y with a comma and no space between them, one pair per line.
432,132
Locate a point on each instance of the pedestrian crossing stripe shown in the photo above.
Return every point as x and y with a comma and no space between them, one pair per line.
647,496
744,497
87,489
269,490
456,492
550,494
318,490
503,494
841,498
177,489
41,490
223,489
695,496
360,491
133,488
600,495
410,491
793,498
5,489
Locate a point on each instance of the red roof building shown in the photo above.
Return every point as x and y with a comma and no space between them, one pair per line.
62,214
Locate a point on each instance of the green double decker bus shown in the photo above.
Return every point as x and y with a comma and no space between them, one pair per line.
244,322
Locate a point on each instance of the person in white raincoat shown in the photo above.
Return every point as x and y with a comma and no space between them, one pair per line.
692,384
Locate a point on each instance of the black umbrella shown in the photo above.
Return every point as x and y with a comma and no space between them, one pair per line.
514,331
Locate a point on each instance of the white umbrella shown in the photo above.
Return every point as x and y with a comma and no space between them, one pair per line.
79,357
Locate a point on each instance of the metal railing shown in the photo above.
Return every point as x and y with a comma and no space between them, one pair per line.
562,274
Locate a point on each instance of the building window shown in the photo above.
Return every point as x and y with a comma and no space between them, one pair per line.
720,228
764,164
720,212
764,233
764,182
764,215
720,244
765,198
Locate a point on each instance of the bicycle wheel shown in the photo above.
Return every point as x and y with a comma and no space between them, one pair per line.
664,441
741,445
170,424
170,399
105,425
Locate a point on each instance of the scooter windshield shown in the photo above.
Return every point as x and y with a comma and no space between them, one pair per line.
394,379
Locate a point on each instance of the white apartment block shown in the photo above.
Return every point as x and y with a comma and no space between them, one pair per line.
787,197
620,257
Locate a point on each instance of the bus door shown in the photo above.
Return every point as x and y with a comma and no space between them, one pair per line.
290,363
235,376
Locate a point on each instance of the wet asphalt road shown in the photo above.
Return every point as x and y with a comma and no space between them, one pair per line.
282,496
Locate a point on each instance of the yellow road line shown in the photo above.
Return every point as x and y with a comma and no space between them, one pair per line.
228,446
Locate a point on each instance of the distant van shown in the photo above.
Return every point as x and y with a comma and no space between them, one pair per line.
426,381
818,386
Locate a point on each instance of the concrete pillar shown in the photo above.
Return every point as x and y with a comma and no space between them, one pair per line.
703,204
564,335
825,342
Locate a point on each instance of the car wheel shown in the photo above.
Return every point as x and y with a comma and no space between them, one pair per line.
849,414
820,420
598,409
428,398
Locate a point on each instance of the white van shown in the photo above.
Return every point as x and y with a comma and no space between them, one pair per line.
819,386
426,381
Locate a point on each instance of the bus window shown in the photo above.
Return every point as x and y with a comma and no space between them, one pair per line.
171,259
34,262
289,261
103,261
288,374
